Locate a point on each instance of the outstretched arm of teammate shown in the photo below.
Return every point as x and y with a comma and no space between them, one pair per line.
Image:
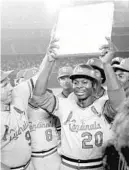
116,93
26,89
46,68
41,97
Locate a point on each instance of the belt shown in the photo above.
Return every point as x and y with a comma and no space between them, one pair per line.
22,167
82,164
42,154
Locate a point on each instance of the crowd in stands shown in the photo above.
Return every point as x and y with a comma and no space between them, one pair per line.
23,62
14,62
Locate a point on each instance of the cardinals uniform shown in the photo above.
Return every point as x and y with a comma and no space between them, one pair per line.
15,133
83,132
44,139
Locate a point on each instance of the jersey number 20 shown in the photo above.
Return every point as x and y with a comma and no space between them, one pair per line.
88,138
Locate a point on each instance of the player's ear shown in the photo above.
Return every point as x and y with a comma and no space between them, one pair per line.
94,85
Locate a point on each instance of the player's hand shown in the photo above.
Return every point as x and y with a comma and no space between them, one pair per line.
53,46
107,53
52,49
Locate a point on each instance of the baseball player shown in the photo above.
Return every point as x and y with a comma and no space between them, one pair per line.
122,73
44,139
15,133
65,81
97,64
100,90
84,122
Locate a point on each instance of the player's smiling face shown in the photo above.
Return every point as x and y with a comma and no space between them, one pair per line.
6,91
82,87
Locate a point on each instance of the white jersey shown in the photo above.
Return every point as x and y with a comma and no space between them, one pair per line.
44,135
83,130
15,134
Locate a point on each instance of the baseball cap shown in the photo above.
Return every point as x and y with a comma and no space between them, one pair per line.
84,70
116,60
97,64
4,74
30,73
21,73
65,71
124,65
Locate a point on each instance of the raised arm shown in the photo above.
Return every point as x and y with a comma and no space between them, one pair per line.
115,92
42,97
46,69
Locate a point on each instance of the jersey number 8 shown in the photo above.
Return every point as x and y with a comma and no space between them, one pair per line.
48,134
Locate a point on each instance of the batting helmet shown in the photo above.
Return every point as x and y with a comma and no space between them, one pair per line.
65,71
124,65
97,64
84,70
116,60
4,74
21,73
30,73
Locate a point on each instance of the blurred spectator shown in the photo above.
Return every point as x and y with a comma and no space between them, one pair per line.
25,62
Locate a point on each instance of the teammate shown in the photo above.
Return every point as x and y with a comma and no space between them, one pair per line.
15,134
122,73
98,66
83,123
44,138
65,81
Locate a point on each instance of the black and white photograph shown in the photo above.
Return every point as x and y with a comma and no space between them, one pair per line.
64,85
